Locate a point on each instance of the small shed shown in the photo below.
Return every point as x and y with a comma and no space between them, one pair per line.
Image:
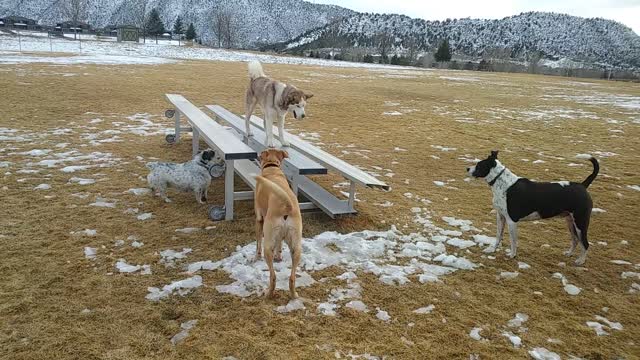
128,33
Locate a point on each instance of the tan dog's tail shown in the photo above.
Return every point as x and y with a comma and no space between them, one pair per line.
255,70
278,193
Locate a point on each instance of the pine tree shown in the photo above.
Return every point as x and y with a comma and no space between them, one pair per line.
178,27
191,32
154,25
443,53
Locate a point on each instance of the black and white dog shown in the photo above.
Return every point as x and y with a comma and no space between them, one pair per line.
519,199
193,175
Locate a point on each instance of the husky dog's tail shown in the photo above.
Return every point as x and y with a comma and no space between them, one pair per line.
596,169
278,192
255,70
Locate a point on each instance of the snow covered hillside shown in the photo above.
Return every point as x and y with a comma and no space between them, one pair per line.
256,21
518,37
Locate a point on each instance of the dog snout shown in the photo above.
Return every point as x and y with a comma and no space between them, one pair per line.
302,116
468,169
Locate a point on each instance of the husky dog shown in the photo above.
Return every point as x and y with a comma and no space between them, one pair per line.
519,199
190,176
276,99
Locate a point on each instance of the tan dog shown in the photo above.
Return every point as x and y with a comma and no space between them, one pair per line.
276,99
277,217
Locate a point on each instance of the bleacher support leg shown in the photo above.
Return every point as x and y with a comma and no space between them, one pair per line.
177,131
228,189
352,194
195,142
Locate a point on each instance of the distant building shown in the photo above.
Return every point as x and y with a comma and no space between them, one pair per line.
71,27
128,33
109,30
19,22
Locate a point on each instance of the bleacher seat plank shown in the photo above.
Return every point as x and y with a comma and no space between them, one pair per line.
296,160
330,161
214,134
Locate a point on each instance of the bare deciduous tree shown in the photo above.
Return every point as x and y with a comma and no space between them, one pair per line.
75,11
225,28
385,41
140,11
534,59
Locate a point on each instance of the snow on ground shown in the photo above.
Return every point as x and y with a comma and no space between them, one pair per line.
185,326
96,59
151,53
540,353
182,287
124,267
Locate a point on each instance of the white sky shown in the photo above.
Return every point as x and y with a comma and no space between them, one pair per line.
624,11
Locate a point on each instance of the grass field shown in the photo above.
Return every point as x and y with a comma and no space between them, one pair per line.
417,129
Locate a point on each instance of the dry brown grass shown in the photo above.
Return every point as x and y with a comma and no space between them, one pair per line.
47,282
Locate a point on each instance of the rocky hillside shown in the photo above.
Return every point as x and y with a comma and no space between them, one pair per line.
255,21
554,36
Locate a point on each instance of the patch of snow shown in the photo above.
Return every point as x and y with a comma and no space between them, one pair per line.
185,326
90,252
475,334
144,216
572,289
425,310
169,257
123,267
540,353
509,275
523,266
42,187
382,315
81,181
139,191
293,305
357,305
182,287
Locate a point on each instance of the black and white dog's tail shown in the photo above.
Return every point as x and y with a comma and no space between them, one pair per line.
596,169
151,165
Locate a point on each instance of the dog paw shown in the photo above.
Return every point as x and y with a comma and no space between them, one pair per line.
511,255
277,258
286,144
580,262
568,253
489,250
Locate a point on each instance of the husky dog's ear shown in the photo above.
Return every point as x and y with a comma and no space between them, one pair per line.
307,96
494,154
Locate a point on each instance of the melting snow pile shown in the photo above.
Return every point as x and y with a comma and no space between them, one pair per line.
182,287
375,252
123,267
185,326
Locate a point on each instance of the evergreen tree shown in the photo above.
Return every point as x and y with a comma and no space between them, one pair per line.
154,25
191,32
368,59
178,27
443,53
394,60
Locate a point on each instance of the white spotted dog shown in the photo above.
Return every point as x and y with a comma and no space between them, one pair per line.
193,175
519,199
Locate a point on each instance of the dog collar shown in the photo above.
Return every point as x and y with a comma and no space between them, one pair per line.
203,164
270,165
497,176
